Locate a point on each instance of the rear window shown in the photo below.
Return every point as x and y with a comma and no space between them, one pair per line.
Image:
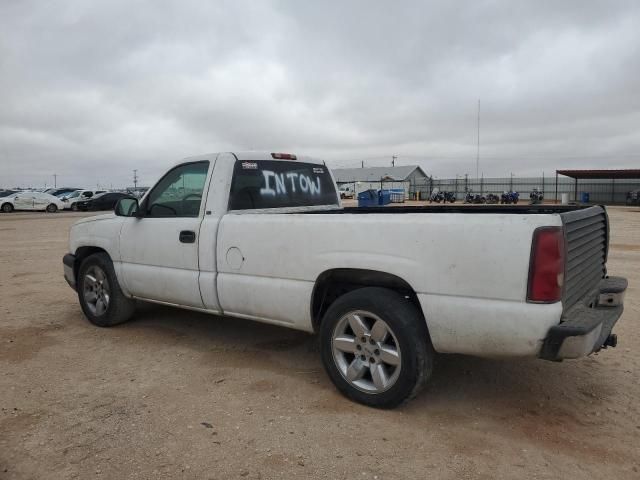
274,184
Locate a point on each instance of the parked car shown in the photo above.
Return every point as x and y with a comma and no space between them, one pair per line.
263,237
101,201
59,192
71,200
30,201
346,192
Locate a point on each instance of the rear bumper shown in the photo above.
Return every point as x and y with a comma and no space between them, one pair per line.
586,327
68,263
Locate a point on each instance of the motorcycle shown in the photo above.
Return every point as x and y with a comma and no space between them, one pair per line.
449,197
474,198
437,197
536,196
492,198
509,197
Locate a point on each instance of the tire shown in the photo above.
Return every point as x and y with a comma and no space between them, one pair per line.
118,309
74,207
343,350
7,208
52,208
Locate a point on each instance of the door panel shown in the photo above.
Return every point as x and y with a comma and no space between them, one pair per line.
156,265
23,201
40,202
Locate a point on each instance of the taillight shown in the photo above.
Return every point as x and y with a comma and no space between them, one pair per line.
283,156
546,270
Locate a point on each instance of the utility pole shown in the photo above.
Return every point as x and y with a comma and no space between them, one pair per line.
55,181
478,151
362,164
135,179
393,160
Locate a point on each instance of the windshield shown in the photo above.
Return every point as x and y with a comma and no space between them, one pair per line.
274,184
74,194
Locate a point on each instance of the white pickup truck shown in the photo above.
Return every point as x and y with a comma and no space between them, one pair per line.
255,235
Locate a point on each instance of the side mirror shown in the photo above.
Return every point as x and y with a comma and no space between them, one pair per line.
127,207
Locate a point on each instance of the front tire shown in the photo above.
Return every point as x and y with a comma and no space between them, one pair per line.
7,208
74,207
375,347
101,298
52,208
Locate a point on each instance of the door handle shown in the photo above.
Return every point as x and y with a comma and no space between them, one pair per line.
187,236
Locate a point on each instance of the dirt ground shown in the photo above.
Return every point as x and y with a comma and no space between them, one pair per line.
177,394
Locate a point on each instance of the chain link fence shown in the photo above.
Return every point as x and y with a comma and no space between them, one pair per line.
599,191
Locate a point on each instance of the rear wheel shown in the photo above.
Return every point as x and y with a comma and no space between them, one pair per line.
52,208
7,208
101,298
74,207
375,347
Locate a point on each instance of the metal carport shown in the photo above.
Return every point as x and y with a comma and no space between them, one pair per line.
613,175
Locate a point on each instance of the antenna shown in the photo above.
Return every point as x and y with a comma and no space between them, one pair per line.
478,151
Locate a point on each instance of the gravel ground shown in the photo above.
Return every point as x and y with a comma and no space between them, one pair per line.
178,394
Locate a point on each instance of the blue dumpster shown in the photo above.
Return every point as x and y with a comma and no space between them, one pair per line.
584,197
384,197
368,198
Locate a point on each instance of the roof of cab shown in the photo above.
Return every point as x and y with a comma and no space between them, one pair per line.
254,155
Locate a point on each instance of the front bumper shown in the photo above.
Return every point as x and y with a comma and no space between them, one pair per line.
586,327
68,263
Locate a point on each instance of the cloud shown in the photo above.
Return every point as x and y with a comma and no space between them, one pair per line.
91,91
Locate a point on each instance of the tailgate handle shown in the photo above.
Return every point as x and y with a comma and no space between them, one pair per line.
187,236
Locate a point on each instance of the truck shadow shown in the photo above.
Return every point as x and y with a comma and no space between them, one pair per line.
508,386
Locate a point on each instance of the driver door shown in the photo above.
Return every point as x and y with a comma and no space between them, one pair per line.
23,201
159,252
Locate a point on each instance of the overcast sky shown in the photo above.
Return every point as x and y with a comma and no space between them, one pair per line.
92,90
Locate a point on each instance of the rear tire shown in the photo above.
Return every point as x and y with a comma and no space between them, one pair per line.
377,364
52,208
74,207
7,208
101,298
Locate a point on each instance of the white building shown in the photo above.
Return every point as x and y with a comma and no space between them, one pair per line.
361,179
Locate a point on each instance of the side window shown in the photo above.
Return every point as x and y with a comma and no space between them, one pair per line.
87,194
179,192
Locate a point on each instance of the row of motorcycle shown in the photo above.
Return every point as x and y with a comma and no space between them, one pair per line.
507,198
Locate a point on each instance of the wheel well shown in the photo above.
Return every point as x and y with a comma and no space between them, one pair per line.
332,284
84,252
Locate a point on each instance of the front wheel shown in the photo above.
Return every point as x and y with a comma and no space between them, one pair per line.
7,208
375,347
52,208
101,298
